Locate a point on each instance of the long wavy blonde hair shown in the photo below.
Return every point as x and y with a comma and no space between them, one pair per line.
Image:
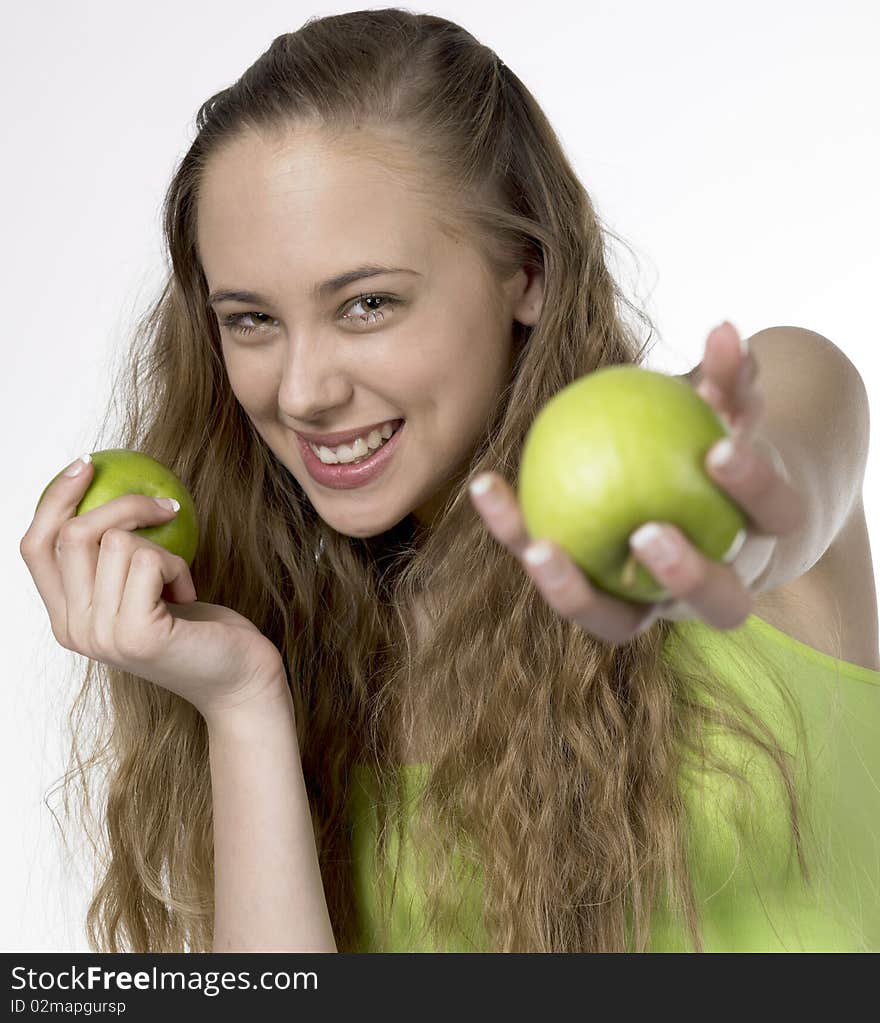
557,757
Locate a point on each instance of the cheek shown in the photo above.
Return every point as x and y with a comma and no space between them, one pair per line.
463,398
251,384
475,373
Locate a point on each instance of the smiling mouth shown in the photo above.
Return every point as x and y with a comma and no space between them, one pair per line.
360,458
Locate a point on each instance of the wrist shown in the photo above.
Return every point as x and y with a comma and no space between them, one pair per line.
265,704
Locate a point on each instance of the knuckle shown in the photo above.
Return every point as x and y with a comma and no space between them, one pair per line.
73,532
71,639
574,602
61,636
507,533
131,504
685,574
697,574
139,504
146,556
115,539
76,642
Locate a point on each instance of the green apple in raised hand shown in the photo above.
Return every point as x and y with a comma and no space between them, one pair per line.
119,471
617,448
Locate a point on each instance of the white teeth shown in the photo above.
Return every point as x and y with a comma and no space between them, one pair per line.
357,450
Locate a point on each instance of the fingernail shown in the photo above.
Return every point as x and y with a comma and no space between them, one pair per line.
655,543
538,553
167,502
724,456
481,485
75,468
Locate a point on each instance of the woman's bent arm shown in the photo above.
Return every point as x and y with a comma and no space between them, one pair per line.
268,892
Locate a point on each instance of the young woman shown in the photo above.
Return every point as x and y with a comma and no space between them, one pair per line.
376,235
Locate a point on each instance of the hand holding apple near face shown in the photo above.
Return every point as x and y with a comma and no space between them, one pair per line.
642,457
112,568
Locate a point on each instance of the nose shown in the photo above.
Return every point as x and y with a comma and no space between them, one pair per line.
313,381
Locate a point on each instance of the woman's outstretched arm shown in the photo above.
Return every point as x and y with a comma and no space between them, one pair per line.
268,892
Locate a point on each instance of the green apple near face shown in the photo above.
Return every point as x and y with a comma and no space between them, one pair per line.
118,471
617,448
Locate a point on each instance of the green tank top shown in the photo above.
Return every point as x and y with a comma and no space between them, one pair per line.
750,894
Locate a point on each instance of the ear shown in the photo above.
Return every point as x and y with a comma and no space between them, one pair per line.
526,290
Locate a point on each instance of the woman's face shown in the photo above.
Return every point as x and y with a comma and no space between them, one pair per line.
280,218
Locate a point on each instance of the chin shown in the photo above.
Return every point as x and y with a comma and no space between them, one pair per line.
367,531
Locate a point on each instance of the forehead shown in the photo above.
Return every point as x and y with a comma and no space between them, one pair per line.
269,202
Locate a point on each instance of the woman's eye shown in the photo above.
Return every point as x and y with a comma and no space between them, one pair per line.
234,322
373,313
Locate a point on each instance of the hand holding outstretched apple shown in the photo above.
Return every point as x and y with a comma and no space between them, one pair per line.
120,598
596,502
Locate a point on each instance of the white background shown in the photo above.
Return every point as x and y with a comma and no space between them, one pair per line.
734,146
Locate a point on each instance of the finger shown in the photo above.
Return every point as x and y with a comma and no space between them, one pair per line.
728,379
757,481
115,552
111,573
740,415
79,538
560,581
37,547
565,588
724,356
711,588
150,569
497,505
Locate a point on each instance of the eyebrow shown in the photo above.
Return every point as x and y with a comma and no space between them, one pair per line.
320,291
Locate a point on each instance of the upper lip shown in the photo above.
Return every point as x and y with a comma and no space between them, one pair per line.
331,440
